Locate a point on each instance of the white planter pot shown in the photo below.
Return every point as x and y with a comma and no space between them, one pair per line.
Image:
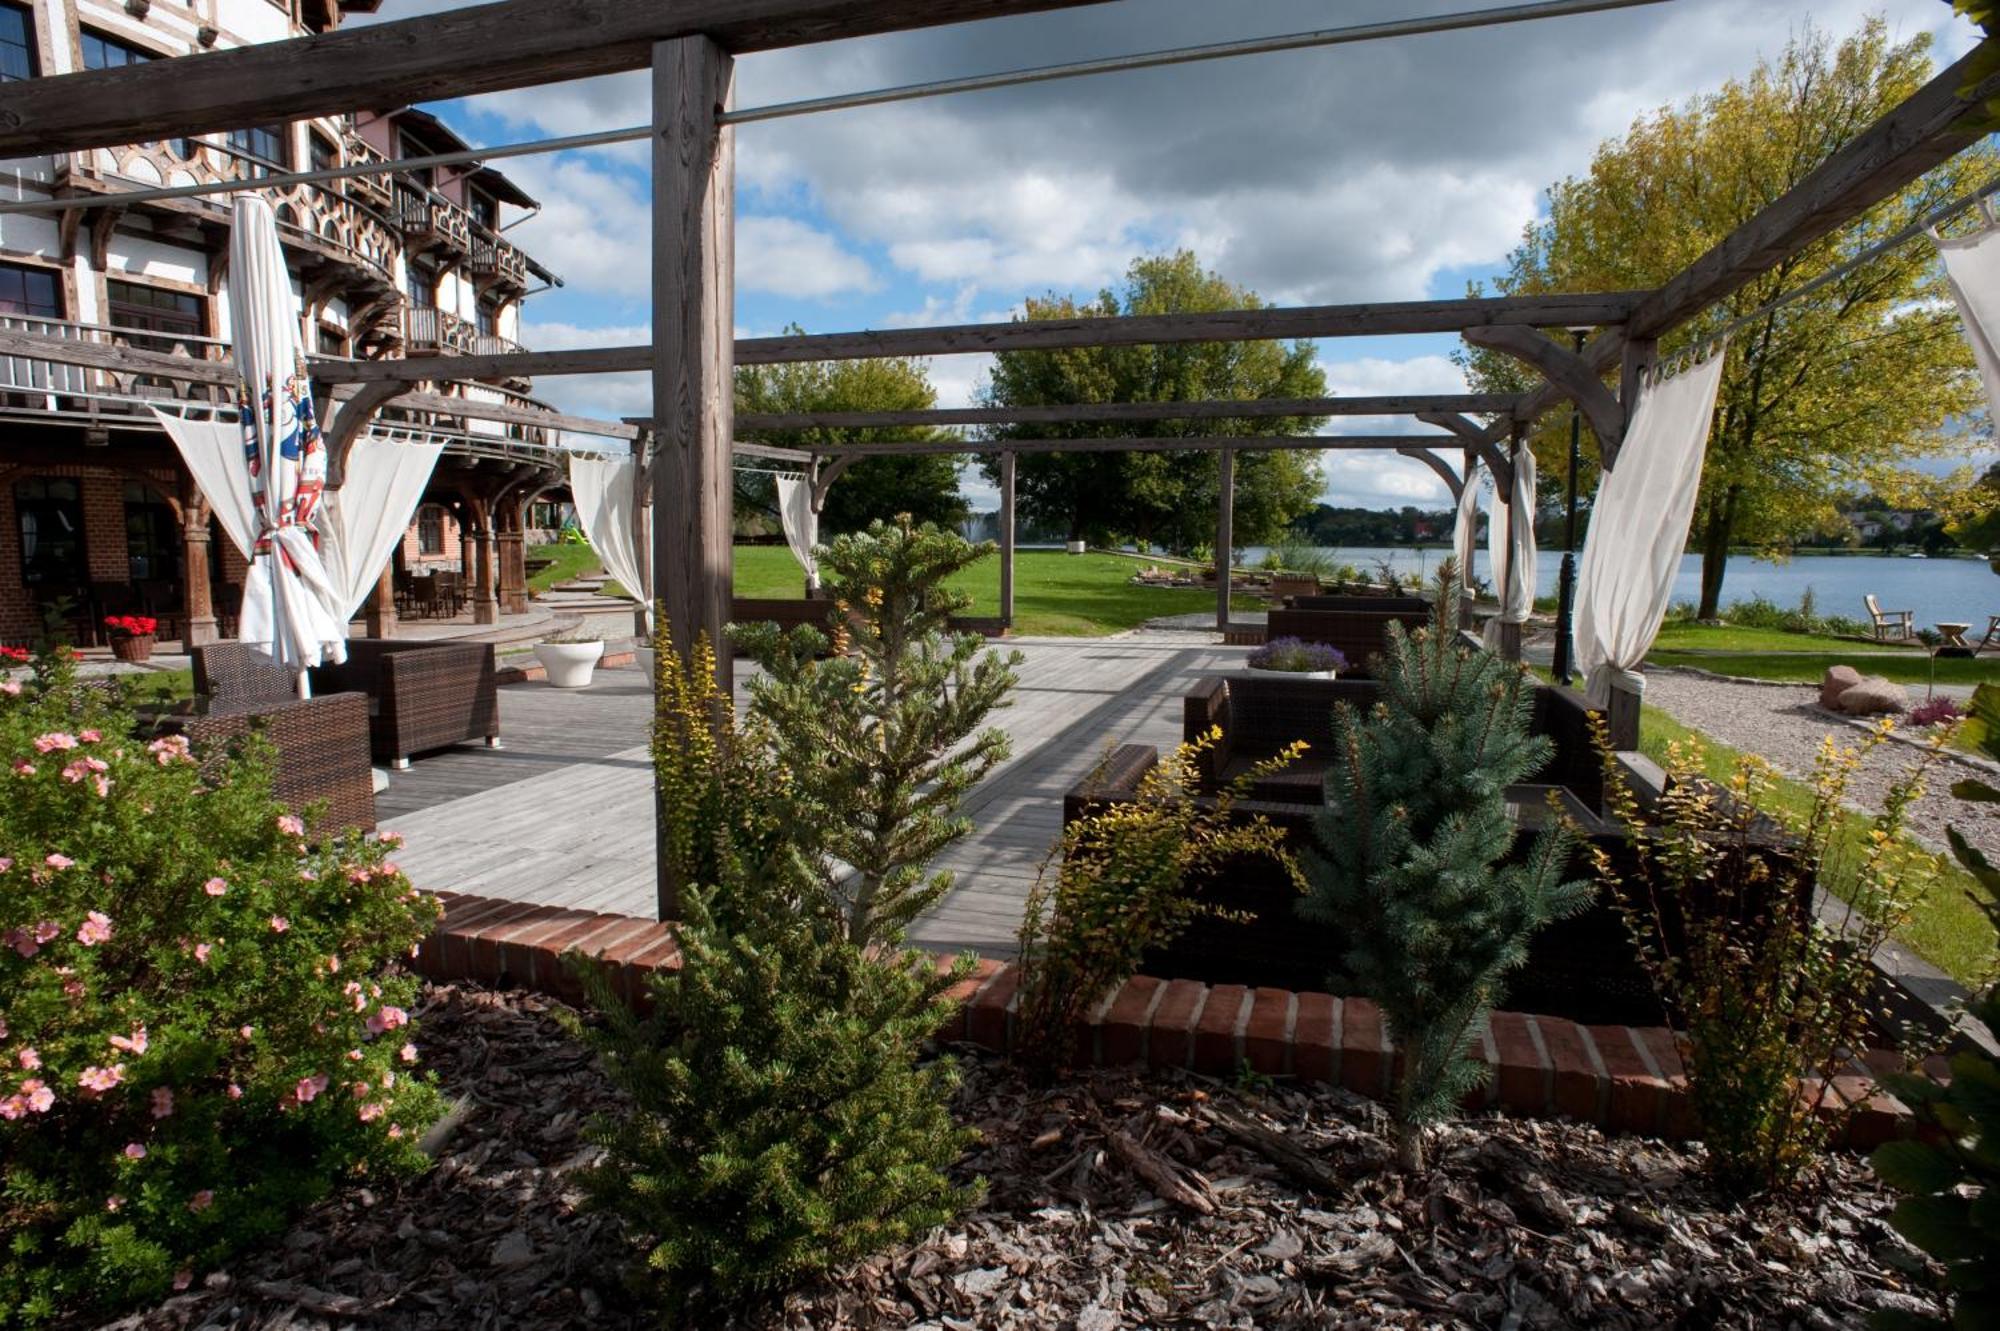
569,664
1078,547
1298,674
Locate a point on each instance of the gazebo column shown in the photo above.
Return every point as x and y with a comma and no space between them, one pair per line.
1007,539
1510,634
513,571
485,594
694,354
197,595
378,612
1225,536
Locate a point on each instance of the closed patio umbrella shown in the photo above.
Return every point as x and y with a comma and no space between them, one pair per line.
288,600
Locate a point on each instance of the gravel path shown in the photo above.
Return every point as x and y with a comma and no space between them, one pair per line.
1783,724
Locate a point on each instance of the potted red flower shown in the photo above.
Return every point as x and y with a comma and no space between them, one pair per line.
132,636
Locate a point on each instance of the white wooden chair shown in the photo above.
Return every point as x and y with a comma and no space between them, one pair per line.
1890,625
1992,634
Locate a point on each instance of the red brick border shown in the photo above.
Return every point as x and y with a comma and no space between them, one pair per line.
1626,1079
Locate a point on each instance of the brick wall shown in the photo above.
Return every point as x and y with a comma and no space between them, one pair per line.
106,551
448,557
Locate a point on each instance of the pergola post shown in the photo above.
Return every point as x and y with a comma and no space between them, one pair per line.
1225,535
1007,539
693,356
1510,634
485,594
199,597
379,610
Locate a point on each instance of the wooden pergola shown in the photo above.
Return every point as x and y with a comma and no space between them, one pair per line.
690,47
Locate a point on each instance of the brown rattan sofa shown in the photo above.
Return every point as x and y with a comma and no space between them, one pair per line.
421,695
1357,625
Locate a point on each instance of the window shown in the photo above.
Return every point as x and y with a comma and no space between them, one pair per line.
152,545
262,150
407,146
430,530
489,320
484,211
17,44
325,156
423,287
50,515
33,291
332,342
155,309
101,52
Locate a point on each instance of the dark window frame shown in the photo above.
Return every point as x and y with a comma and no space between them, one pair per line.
163,310
27,64
24,273
73,571
430,529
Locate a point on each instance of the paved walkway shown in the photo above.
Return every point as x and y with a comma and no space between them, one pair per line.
563,814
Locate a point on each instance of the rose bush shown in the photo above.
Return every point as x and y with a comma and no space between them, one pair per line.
199,1029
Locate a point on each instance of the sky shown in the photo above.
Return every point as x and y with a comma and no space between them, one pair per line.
1389,170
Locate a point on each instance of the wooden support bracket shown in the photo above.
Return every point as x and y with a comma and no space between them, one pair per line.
350,418
825,474
1474,437
1567,372
1437,464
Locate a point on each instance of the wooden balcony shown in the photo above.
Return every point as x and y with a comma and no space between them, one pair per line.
375,190
428,222
495,263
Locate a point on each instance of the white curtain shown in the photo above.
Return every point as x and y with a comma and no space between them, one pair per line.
1511,550
213,452
361,522
1639,527
1465,527
607,503
795,510
1972,269
288,601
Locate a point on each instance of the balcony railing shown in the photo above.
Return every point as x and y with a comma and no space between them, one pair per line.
376,189
439,332
428,220
496,262
46,385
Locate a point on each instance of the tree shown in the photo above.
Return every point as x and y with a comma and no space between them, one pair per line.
1410,842
1823,394
881,744
924,486
1168,499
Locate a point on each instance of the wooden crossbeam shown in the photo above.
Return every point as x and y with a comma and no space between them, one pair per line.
479,410
1162,444
434,57
1251,409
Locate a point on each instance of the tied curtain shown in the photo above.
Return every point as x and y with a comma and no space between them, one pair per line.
1639,526
1510,548
361,522
1972,270
607,508
1465,525
795,510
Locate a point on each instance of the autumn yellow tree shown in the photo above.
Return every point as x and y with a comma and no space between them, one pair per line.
1826,395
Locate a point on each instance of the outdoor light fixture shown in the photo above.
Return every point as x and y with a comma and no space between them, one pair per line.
96,436
1566,593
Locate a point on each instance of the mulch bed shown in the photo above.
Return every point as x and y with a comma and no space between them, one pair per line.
1120,1200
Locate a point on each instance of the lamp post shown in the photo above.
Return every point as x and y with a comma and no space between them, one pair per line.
1566,593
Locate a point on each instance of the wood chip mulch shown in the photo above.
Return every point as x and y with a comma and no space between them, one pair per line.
1115,1200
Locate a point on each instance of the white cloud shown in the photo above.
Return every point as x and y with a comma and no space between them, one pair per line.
785,257
1380,480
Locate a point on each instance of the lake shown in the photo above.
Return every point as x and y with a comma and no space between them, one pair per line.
1963,590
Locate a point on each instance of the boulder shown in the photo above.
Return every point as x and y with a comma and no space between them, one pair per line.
1839,679
1872,695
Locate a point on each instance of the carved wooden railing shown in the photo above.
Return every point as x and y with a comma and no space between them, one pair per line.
47,385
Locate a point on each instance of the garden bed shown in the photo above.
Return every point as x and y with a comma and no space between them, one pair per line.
1523,1223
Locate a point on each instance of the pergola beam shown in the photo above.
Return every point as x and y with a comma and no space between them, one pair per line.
1125,412
435,57
1251,443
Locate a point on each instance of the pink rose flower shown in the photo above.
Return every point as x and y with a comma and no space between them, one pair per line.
99,1080
47,931
163,1102
387,1019
135,1043
113,1202
408,1053
246,1031
309,1088
169,750
23,767
135,1151
40,1098
291,824
182,1279
362,1090
370,1112
23,942
54,741
10,688
279,924
215,887
395,1132
354,1055
58,861
96,928
30,1059
202,1200
6,863
13,1107
201,951
89,736
234,1092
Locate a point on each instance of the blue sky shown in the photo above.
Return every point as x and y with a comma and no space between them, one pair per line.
1386,171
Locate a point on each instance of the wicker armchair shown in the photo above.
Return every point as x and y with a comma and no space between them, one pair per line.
235,674
421,695
322,752
1357,625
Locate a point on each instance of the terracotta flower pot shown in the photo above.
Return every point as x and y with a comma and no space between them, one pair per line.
133,646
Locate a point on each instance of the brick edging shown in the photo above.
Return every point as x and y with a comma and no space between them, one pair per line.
1621,1078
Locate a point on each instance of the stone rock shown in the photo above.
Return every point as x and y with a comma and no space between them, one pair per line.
1839,679
1872,695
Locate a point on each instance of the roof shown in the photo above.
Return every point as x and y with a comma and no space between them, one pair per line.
443,138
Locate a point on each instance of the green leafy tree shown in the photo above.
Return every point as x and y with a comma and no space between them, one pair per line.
925,486
1824,394
1167,499
781,1123
881,744
1410,842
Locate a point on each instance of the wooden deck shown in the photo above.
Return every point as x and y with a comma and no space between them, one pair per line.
563,814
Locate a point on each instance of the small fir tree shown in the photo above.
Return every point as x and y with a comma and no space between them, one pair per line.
1411,838
880,745
781,1122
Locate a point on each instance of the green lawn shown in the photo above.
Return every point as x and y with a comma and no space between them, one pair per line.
1804,657
571,561
1055,594
1947,928
1732,638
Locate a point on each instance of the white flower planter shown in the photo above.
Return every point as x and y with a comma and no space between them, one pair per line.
569,664
1298,674
1079,547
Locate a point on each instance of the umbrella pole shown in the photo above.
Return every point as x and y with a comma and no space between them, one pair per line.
305,685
